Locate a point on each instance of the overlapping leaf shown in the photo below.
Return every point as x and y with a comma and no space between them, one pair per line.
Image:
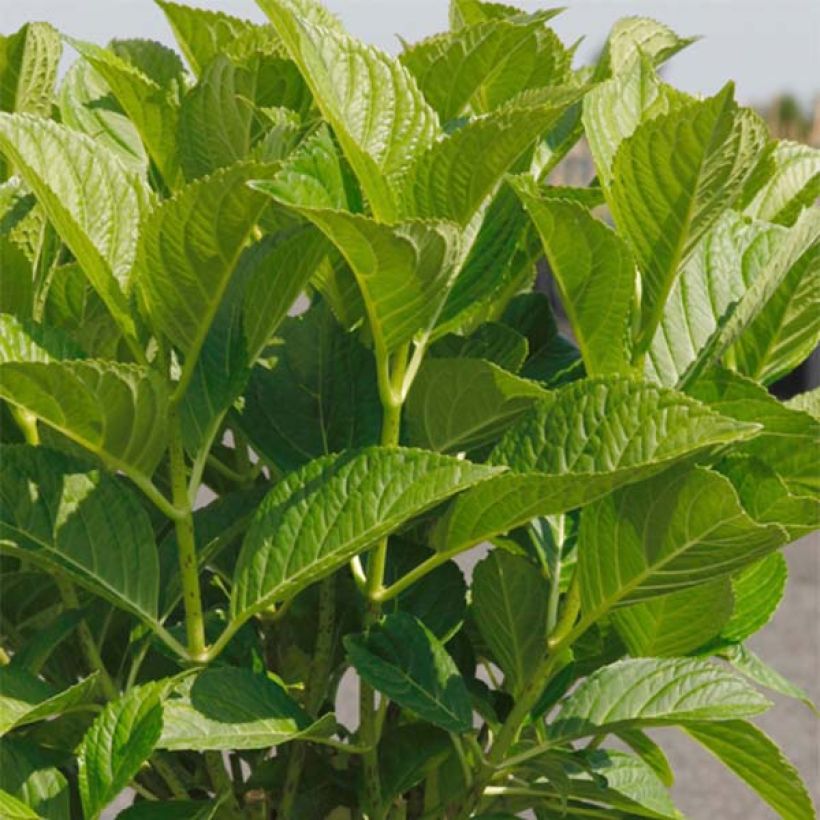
29,60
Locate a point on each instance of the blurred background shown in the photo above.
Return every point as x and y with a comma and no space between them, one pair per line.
771,49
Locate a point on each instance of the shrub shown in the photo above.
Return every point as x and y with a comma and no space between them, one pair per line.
213,508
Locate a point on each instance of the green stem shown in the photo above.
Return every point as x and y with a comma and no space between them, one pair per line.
555,579
222,783
27,422
87,642
166,771
315,691
186,544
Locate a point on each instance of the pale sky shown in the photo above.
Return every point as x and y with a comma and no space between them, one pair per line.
766,46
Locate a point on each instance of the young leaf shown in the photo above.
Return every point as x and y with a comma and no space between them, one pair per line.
116,411
373,104
510,610
672,534
319,397
406,662
231,708
319,517
587,439
118,742
29,60
675,624
26,699
757,760
595,274
631,36
68,517
188,251
672,179
94,203
652,692
464,403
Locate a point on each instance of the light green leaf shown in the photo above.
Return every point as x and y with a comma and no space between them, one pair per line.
794,184
631,36
156,61
94,203
61,514
202,34
464,403
335,507
371,101
808,402
231,708
26,699
152,108
319,397
595,275
14,809
674,533
589,438
649,752
654,692
121,738
788,440
404,271
751,666
472,12
720,271
675,624
757,760
27,774
483,66
785,330
672,179
84,101
26,341
402,659
188,250
455,176
757,592
510,609
117,411
29,60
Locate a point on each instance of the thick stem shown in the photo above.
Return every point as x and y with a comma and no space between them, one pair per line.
87,642
186,545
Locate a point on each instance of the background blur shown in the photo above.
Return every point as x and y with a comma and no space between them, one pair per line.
771,48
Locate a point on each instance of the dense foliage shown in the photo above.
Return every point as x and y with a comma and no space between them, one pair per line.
212,508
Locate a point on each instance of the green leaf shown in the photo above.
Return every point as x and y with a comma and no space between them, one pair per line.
117,411
455,176
649,752
587,439
510,609
472,12
318,518
26,341
595,275
121,738
203,34
808,402
189,248
788,439
94,203
29,60
757,592
402,659
786,329
319,397
794,184
156,61
27,772
407,754
153,109
14,809
231,708
672,534
57,512
675,624
751,666
654,692
85,105
404,271
494,342
464,403
171,810
382,121
633,35
26,699
757,760
672,179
